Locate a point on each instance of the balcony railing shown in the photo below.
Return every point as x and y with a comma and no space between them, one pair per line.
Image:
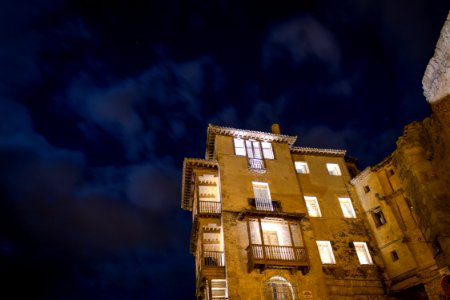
268,255
256,164
210,207
213,259
265,204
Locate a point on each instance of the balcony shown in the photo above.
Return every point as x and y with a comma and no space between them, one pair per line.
212,265
256,164
289,257
207,209
265,204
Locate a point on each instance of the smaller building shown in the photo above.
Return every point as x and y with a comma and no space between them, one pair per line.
407,255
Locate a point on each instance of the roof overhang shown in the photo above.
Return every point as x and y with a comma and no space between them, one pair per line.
188,166
214,130
318,151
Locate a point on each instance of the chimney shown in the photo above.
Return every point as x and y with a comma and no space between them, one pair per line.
276,128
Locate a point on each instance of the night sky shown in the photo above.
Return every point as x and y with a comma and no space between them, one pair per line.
100,101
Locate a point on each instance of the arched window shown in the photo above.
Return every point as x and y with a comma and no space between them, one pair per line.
278,288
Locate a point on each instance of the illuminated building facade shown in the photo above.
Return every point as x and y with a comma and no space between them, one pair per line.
274,221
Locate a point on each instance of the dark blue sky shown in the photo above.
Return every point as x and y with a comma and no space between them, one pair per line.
100,101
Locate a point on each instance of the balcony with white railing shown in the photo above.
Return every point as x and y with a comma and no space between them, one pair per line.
256,164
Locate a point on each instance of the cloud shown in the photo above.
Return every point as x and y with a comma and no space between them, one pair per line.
152,186
300,39
160,101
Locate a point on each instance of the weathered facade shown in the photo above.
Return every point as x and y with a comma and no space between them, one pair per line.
274,221
406,197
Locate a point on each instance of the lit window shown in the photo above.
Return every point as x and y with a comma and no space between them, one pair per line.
333,169
347,207
239,148
313,206
267,150
278,288
326,252
263,200
219,288
253,149
363,253
378,217
301,167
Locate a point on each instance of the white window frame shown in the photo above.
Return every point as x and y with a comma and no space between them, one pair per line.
326,252
267,150
347,207
263,200
253,149
312,205
334,169
239,147
301,167
363,253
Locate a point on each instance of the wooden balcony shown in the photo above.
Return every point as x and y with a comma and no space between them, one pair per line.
212,265
286,257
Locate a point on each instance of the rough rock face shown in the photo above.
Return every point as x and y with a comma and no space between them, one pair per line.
423,159
436,80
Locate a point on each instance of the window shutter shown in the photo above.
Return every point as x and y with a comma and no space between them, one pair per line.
257,150
285,236
267,150
296,236
255,236
248,145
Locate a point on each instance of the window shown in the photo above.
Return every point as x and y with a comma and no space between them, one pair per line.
347,207
378,217
366,189
279,238
394,255
301,167
278,288
263,200
267,150
333,169
253,149
239,148
326,252
218,288
313,206
363,253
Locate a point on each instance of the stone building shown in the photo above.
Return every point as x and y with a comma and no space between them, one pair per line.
274,221
406,197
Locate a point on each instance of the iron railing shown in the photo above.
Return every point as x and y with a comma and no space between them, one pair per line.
265,204
256,164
